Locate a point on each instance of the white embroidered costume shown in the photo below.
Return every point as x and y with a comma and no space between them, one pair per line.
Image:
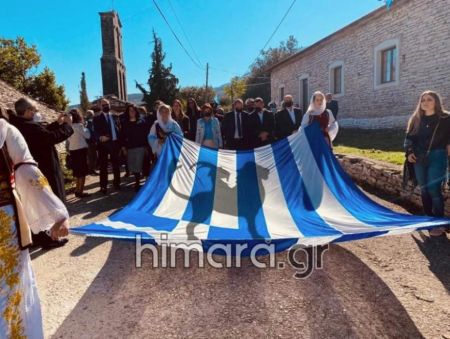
20,313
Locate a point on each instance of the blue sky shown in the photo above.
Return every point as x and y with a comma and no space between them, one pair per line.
227,34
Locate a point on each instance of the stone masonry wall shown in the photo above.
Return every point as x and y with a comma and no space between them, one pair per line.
422,29
384,177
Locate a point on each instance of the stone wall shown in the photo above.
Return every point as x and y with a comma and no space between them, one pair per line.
385,178
421,28
391,122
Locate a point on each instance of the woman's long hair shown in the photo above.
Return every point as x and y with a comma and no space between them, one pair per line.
174,115
205,107
127,112
189,110
76,116
414,121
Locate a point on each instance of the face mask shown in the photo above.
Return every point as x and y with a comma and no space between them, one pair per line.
37,117
288,103
258,109
207,114
105,109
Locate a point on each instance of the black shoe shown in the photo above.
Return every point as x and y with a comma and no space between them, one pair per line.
43,240
82,195
93,173
103,191
117,187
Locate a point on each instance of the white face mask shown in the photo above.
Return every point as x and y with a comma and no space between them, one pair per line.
37,117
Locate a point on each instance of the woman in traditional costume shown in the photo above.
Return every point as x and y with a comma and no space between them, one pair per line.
20,312
318,112
162,128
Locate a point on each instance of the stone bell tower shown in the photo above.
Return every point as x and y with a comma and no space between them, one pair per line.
113,67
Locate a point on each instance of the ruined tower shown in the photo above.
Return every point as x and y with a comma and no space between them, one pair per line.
113,67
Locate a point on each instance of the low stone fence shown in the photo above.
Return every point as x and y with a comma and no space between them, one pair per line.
385,178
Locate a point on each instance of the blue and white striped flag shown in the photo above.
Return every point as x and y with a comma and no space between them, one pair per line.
291,192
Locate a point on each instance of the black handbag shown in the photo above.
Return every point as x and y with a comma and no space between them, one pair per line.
423,158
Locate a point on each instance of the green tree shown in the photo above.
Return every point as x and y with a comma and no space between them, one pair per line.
84,100
43,87
16,60
258,79
162,83
198,93
236,88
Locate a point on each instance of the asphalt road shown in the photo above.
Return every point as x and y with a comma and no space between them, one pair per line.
387,287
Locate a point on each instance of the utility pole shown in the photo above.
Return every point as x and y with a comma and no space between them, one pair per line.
206,87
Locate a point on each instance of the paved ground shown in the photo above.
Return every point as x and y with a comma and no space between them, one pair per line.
386,287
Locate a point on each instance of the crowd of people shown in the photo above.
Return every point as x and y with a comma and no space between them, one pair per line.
102,138
136,138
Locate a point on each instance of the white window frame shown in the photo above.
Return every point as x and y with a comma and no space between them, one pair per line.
300,79
331,69
378,50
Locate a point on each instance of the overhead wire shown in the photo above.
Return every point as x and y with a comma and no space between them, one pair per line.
176,36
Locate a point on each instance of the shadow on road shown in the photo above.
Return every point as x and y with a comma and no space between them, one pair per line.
437,251
345,299
98,203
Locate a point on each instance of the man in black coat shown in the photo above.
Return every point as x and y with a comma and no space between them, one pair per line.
288,120
332,105
41,141
107,127
235,127
262,125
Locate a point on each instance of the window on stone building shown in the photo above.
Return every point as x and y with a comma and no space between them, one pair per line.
281,93
337,78
303,95
388,64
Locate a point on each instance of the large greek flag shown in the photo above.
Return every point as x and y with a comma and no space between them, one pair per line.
291,192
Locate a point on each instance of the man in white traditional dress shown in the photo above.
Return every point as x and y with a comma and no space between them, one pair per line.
20,312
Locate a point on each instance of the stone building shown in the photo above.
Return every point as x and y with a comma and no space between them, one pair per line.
113,67
377,66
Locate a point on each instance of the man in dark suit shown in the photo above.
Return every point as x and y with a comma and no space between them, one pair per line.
107,127
288,120
332,105
262,125
235,127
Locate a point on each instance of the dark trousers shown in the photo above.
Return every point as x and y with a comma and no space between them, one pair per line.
148,161
430,177
236,144
92,157
111,149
